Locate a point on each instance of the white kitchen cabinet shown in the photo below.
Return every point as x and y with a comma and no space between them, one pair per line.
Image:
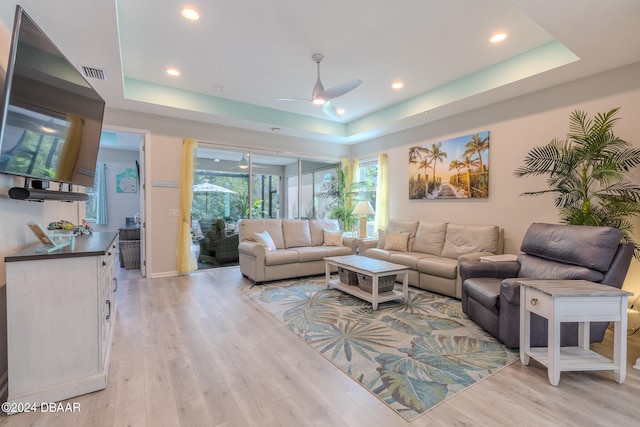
60,313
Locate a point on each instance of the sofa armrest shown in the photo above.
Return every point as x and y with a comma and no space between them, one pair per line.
496,270
350,242
251,248
365,244
510,291
473,256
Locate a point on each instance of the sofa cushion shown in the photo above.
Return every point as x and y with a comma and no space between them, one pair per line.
281,256
430,237
463,239
310,253
532,267
377,253
296,233
338,250
246,228
317,227
587,246
265,240
397,241
410,259
406,225
439,266
332,238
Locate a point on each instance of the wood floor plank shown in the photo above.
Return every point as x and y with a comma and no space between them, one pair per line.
194,350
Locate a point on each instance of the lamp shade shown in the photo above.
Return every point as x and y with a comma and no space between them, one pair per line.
363,208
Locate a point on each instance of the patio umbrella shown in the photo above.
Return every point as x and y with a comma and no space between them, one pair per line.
207,188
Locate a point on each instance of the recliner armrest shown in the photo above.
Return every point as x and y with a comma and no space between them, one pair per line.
496,270
510,291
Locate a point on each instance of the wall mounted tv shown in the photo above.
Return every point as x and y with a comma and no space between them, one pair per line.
51,116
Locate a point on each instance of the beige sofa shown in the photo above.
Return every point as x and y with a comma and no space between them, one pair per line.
434,250
300,247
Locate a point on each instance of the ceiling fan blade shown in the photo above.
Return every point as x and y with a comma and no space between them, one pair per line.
340,90
330,110
290,99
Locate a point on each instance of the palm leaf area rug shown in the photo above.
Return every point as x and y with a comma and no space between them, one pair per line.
412,355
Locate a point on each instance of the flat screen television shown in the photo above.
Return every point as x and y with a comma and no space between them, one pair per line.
51,116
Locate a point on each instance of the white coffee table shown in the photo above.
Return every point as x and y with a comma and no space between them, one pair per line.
372,267
573,301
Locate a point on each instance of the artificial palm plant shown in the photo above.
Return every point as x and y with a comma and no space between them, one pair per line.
587,173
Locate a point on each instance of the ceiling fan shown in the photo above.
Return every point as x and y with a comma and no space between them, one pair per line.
322,96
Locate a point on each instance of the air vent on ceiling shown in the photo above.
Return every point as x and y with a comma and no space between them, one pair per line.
94,73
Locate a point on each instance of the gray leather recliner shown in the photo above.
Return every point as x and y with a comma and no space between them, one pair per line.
491,294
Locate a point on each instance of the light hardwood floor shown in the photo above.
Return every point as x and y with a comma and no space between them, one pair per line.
195,351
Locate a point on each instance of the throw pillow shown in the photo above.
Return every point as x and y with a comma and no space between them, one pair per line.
265,240
396,241
382,239
332,238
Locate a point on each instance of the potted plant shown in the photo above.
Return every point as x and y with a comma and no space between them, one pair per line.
587,174
335,190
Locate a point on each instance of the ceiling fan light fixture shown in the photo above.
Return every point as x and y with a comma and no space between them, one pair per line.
498,37
49,126
243,163
190,13
319,101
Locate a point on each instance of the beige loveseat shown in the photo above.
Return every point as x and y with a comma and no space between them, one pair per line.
300,246
434,250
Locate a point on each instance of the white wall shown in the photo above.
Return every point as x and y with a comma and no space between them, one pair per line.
119,205
516,126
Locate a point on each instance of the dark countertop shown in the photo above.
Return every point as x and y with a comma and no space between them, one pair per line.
94,244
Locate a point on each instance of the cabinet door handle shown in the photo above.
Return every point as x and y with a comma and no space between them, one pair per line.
115,287
109,253
104,263
109,313
534,301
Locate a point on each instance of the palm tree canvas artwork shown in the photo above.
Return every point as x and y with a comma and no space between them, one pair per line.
457,168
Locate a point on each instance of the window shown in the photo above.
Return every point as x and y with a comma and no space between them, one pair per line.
365,184
92,202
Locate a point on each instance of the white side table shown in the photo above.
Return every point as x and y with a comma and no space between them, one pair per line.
573,301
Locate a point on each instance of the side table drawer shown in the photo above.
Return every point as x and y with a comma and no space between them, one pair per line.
538,302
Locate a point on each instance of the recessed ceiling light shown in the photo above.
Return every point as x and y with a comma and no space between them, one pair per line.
397,85
190,14
341,111
173,72
498,37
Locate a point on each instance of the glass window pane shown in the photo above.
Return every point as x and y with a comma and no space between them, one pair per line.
292,196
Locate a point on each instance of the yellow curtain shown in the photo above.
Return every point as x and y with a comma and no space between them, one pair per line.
70,149
186,259
382,194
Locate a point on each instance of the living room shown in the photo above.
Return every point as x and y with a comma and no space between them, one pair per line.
516,124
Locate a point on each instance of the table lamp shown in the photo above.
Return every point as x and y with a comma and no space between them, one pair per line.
363,208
